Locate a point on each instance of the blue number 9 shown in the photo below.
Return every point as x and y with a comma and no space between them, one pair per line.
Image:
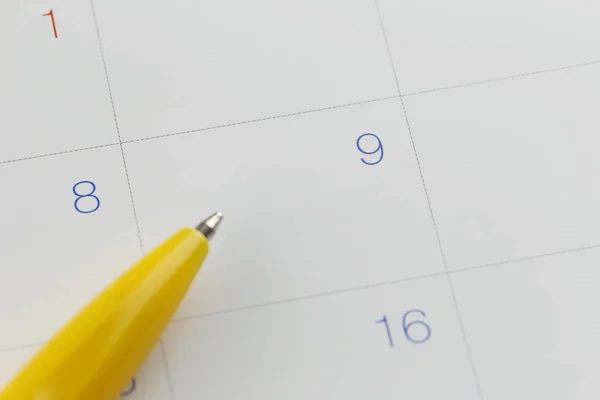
362,138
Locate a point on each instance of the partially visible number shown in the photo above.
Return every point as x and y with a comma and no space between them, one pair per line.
367,138
406,327
130,389
78,191
411,328
51,15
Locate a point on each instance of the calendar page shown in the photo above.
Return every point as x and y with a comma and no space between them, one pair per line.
410,190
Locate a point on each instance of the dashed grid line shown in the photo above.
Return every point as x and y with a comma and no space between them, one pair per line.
504,78
59,153
135,216
310,296
163,353
432,215
112,104
353,289
387,46
525,258
19,347
208,128
251,121
384,283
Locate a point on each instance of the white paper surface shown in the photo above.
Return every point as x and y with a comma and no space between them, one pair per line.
410,190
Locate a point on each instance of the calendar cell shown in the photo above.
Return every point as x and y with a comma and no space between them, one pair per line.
303,213
533,326
440,43
182,65
55,96
324,348
54,259
511,167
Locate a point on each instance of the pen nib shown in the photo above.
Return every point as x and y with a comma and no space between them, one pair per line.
208,227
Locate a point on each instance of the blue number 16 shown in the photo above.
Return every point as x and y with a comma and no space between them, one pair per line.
415,335
367,138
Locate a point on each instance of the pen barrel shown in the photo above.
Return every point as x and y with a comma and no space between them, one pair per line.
95,355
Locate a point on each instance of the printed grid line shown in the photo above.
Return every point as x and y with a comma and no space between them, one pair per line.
387,46
525,258
135,217
357,103
432,215
385,283
112,104
309,296
163,352
58,153
288,300
252,121
504,78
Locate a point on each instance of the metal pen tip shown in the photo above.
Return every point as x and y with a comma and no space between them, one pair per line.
208,227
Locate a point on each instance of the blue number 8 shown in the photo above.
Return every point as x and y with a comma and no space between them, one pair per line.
379,149
83,196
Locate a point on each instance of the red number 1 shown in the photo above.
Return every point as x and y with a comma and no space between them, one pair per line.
51,14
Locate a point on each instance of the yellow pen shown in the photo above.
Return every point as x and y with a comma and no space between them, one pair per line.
96,354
